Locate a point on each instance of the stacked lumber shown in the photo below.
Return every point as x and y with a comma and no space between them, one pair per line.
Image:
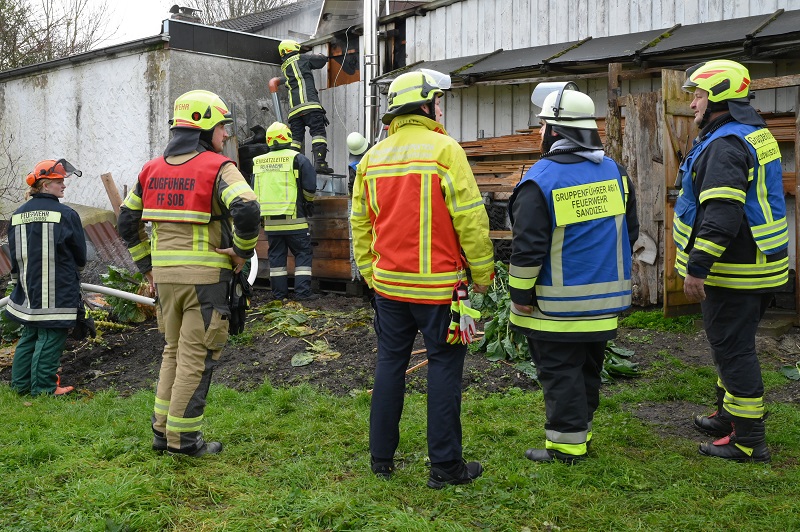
330,241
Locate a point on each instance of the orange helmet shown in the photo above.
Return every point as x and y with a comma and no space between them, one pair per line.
51,169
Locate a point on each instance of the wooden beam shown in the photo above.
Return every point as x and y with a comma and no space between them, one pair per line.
112,191
775,83
614,115
797,208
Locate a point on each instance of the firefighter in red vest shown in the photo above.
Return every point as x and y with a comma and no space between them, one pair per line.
191,195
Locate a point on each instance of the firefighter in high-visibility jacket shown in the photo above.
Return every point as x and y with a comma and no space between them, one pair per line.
731,238
305,109
418,222
285,183
573,227
48,252
190,194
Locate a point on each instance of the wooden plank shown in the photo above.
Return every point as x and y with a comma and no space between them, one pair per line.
500,235
112,191
331,207
642,157
797,208
613,124
676,128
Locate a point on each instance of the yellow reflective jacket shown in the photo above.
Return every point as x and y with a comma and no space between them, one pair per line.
416,209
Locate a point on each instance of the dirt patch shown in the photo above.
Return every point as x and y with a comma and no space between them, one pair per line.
129,361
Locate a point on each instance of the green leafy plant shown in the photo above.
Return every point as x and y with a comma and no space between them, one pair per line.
10,329
127,311
500,342
791,372
654,320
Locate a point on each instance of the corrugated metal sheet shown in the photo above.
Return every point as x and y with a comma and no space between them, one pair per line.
448,66
615,48
111,249
518,60
709,35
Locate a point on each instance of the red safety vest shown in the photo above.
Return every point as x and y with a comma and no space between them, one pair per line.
180,193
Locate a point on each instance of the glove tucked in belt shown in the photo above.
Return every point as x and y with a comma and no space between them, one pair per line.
238,302
462,316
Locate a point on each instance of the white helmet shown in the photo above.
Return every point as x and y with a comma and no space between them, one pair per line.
564,105
356,143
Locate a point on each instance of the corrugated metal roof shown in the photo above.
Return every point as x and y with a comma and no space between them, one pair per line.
111,249
518,60
448,66
616,47
786,23
732,31
257,21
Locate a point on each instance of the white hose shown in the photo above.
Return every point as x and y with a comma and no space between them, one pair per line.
253,269
142,299
119,293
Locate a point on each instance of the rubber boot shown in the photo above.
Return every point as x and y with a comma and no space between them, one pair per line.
551,455
321,166
61,390
747,443
718,424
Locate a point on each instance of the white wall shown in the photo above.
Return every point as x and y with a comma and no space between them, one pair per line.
110,114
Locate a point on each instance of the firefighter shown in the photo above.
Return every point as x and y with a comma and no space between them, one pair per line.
573,227
357,145
305,109
48,252
285,183
418,222
731,239
191,195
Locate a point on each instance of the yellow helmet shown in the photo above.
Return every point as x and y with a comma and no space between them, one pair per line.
411,90
199,110
721,78
278,134
288,46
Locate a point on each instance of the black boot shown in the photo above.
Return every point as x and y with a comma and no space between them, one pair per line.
747,443
459,473
320,165
719,423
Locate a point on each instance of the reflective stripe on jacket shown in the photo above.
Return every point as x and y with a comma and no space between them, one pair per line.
180,193
297,72
275,180
415,207
184,253
585,278
764,208
48,250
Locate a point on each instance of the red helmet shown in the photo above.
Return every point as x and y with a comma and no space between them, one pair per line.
51,169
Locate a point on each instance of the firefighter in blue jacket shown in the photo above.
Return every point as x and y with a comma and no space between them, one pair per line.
48,251
285,183
731,240
574,225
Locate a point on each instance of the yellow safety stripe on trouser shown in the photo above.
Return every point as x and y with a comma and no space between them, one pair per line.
195,325
319,139
572,443
747,407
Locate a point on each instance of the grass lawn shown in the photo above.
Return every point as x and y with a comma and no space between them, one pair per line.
297,459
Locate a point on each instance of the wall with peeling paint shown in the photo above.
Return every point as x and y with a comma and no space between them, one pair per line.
110,113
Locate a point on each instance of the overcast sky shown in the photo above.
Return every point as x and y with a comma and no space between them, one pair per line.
135,19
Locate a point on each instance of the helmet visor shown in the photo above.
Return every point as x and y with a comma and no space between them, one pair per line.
543,90
441,80
62,167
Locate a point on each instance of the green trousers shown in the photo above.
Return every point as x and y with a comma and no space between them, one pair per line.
36,360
